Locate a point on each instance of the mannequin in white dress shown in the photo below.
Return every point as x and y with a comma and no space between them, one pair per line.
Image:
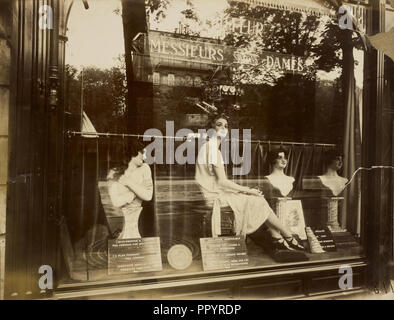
333,162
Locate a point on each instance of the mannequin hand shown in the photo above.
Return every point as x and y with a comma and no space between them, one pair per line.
255,192
126,181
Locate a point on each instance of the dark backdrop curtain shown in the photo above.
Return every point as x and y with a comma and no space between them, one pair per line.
83,206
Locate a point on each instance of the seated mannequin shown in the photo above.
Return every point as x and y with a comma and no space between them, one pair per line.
330,179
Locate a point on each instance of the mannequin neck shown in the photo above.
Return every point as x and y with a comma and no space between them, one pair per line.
331,173
132,166
278,172
216,139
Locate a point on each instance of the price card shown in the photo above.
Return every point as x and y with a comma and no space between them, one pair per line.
224,253
134,255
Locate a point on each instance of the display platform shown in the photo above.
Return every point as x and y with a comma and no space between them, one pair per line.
91,262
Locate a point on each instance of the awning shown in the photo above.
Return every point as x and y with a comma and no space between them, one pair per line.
307,6
384,42
88,127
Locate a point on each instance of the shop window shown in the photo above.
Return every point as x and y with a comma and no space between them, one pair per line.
285,76
171,80
197,81
156,78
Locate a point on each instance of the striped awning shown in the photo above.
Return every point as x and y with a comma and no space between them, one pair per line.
309,6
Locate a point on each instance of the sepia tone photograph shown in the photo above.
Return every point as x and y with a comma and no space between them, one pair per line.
196,150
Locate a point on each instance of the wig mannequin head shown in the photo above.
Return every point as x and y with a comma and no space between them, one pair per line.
277,158
333,159
130,151
134,153
219,122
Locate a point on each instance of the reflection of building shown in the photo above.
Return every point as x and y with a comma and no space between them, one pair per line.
185,71
188,71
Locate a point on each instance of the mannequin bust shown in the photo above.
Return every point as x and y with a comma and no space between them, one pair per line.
278,179
330,179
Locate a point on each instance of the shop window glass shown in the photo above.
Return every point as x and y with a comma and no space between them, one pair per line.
171,80
156,78
290,77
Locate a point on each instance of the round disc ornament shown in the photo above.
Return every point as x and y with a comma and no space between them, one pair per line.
179,257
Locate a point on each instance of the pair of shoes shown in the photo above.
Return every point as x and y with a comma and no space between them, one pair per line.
294,244
283,252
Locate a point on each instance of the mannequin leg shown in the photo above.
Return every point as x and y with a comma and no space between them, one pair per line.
276,227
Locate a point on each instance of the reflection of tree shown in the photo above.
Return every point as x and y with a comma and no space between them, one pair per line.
283,32
157,7
336,51
104,94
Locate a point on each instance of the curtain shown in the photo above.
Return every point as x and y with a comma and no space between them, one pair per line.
294,157
84,208
351,210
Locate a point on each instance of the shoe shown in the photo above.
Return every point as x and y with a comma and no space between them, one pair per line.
294,244
281,244
283,253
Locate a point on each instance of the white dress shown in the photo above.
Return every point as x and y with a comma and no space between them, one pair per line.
250,211
131,206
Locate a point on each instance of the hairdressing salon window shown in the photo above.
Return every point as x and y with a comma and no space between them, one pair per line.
289,84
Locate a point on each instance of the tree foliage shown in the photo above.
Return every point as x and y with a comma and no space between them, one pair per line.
103,95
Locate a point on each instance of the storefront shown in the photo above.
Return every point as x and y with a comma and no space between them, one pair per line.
309,108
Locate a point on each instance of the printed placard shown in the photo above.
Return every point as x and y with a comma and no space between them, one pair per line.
134,255
223,253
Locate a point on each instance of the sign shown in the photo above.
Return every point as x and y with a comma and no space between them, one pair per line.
196,119
134,255
223,253
234,24
324,237
169,47
175,47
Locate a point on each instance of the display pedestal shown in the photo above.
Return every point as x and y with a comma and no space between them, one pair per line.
332,214
280,208
130,228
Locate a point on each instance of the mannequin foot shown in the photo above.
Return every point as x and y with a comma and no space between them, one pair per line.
283,252
281,244
294,244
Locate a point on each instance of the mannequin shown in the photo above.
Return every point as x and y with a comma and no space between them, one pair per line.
333,160
281,182
279,190
334,182
129,186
